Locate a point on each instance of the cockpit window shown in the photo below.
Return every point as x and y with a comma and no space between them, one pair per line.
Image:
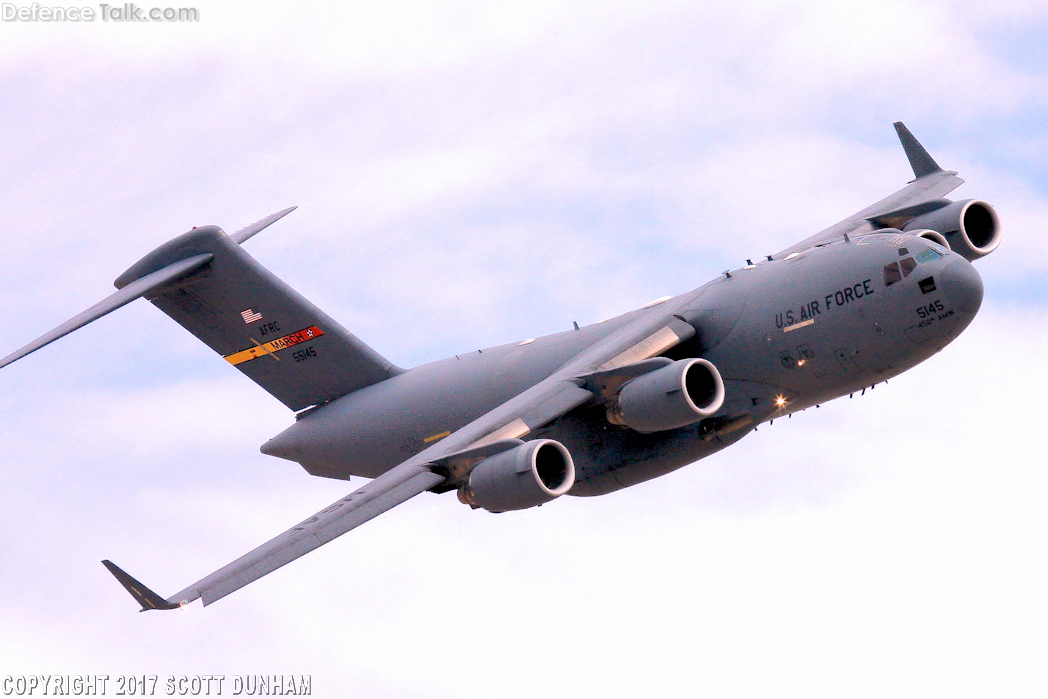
908,265
892,274
895,271
929,255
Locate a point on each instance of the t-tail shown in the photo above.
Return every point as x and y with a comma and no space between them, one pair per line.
212,287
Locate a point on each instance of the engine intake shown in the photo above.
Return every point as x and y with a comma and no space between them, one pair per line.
971,227
526,476
674,396
934,236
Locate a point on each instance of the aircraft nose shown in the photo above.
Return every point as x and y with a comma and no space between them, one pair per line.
963,286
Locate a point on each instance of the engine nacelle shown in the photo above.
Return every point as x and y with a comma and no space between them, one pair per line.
934,236
526,476
971,227
676,395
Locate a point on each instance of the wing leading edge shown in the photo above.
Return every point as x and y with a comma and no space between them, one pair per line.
495,431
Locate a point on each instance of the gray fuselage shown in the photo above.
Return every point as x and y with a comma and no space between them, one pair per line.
784,334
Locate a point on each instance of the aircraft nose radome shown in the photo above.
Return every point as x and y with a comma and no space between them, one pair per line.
963,286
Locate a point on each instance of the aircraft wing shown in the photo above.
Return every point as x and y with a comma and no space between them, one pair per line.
493,432
921,195
365,503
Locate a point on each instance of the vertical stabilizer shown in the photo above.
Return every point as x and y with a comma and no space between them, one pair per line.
259,324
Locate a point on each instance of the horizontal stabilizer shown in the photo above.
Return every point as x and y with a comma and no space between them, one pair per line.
142,594
124,296
920,161
248,231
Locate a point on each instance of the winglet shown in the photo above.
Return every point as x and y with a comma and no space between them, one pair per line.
142,594
920,161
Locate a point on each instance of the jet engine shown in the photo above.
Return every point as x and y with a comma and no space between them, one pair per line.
934,236
526,476
970,227
676,395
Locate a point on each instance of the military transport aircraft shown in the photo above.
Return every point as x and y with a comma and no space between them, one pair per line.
583,412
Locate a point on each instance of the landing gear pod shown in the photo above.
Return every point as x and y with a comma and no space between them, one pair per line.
971,227
526,476
674,396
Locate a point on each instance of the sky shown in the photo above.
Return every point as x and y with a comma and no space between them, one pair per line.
470,174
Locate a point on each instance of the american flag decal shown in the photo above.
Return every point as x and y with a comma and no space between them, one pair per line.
250,316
